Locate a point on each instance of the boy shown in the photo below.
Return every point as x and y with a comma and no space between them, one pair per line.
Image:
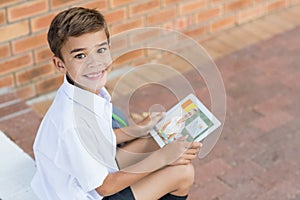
75,148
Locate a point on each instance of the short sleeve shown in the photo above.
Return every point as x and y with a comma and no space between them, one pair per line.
74,159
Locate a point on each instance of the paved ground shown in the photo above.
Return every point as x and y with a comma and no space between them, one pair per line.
257,156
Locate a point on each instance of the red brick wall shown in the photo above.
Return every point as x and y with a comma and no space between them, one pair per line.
25,60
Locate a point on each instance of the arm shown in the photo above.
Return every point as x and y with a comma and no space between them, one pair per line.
129,133
130,175
175,153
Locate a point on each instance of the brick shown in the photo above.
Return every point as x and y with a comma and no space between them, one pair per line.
27,9
211,191
33,73
196,32
225,22
161,16
4,3
169,2
130,24
7,81
258,1
235,176
144,7
22,126
272,120
7,97
100,5
15,63
249,190
15,30
250,14
41,107
221,149
12,108
273,156
115,3
26,144
242,138
283,190
60,3
29,43
115,16
276,5
210,170
292,81
168,26
279,171
208,14
42,54
294,2
142,36
179,23
217,1
191,7
237,5
41,22
275,103
26,92
2,17
129,56
4,51
49,84
118,44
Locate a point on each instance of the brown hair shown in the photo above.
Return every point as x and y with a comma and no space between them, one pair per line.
74,22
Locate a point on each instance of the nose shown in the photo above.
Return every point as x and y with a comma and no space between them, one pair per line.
96,60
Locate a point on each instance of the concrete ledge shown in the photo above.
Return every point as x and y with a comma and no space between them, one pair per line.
16,171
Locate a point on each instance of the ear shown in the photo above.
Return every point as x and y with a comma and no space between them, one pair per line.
59,64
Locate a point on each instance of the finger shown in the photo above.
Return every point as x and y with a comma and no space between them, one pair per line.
183,138
181,161
188,145
192,151
196,145
189,156
156,114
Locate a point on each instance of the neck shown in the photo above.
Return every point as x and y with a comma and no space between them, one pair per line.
70,80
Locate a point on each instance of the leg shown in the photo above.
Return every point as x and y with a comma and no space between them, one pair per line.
175,180
135,151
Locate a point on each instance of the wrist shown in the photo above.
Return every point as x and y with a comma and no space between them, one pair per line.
159,158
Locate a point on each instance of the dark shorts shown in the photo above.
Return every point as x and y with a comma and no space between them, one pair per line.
125,194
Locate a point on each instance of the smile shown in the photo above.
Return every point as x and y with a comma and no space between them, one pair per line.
95,75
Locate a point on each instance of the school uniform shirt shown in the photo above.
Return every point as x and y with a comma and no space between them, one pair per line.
75,146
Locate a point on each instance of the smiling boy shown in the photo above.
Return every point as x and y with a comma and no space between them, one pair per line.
76,148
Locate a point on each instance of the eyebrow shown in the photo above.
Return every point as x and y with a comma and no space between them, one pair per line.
82,49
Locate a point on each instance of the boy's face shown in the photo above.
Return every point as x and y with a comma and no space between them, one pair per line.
87,60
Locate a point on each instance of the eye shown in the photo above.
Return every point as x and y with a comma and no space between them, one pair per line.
102,50
80,56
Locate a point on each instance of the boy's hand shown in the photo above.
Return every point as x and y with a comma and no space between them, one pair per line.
180,152
150,122
189,155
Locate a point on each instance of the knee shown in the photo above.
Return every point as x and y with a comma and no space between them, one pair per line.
186,175
189,173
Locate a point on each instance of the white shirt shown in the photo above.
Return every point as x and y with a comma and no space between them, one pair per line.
75,146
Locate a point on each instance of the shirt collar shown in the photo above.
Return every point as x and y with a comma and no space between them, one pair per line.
91,101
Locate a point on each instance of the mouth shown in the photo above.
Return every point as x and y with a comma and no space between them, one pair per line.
95,75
